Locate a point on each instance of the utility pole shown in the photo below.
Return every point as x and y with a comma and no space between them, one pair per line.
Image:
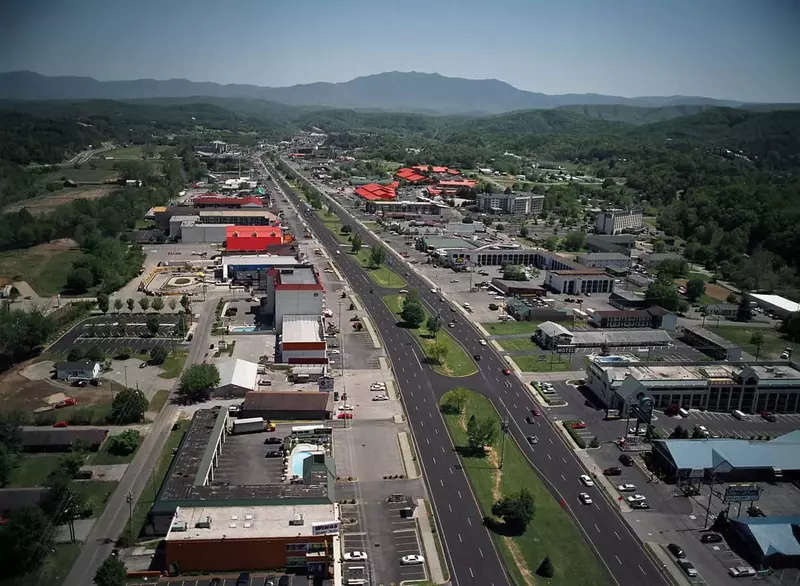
125,367
504,431
129,500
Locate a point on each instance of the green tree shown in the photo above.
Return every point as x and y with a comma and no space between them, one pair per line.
500,227
673,268
144,303
158,354
545,569
125,443
659,246
128,406
61,499
437,351
186,303
790,326
523,231
433,325
130,303
8,461
25,540
152,325
695,288
679,432
575,241
412,313
377,255
158,304
112,572
355,243
552,243
455,400
102,302
757,340
76,353
173,303
744,312
118,303
664,293
197,381
480,433
79,280
95,353
346,229
516,510
514,273
508,191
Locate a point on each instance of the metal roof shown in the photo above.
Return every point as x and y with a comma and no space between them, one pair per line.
777,301
237,372
774,535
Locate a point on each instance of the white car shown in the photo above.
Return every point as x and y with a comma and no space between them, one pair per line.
380,398
434,290
741,571
585,498
345,407
355,556
403,291
482,342
334,352
587,480
626,488
377,387
637,498
634,431
412,560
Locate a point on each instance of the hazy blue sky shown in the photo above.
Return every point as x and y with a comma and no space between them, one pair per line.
719,48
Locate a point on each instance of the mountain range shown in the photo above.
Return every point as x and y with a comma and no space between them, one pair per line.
423,93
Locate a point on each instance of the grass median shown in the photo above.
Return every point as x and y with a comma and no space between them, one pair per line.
532,363
457,363
499,328
551,533
382,275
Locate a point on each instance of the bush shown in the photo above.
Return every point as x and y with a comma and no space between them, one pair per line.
125,443
76,353
574,434
81,417
124,354
546,570
158,355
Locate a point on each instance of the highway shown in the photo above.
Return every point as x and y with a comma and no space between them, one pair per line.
473,559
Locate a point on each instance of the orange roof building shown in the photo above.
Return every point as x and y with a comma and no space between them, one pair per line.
410,175
374,191
252,238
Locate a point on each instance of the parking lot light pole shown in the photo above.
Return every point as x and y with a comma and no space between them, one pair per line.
504,431
125,368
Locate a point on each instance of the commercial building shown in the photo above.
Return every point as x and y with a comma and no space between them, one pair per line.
213,200
78,370
410,175
236,378
653,317
626,300
604,260
376,191
189,230
522,309
550,335
239,217
730,460
289,405
654,259
621,338
517,204
253,269
622,243
403,208
450,187
579,281
722,309
59,439
766,542
302,538
616,221
518,288
778,305
711,344
715,386
298,291
302,339
252,238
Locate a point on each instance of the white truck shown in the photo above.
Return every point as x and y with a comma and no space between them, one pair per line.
248,425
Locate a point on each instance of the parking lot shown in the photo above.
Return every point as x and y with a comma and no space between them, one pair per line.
111,332
260,581
248,448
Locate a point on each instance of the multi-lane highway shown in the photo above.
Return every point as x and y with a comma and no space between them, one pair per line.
472,555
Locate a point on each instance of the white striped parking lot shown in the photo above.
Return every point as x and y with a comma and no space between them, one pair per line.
728,433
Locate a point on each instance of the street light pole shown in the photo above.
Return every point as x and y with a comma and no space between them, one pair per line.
125,367
504,431
129,500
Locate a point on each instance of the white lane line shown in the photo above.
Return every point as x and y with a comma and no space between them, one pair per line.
514,405
451,470
642,570
551,440
618,560
470,573
428,441
564,477
459,538
598,528
459,494
443,449
442,481
434,460
480,551
436,430
549,457
449,507
469,521
617,534
564,460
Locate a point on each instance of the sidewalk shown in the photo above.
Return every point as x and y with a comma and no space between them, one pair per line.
429,543
407,453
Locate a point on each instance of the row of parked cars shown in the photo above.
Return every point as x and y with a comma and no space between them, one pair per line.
691,571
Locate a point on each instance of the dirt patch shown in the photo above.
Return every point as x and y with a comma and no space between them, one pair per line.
20,393
494,460
519,559
718,292
48,203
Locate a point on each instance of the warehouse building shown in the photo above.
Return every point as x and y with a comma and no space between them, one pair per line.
302,340
191,231
711,344
298,292
714,386
776,304
236,378
289,405
627,300
300,538
518,288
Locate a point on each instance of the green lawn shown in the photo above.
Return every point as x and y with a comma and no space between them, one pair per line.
498,328
518,344
96,491
383,276
707,300
458,361
773,344
142,224
84,173
551,533
33,469
44,268
701,276
173,366
373,226
533,364
158,401
57,564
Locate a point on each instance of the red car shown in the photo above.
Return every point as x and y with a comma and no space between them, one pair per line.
579,425
506,371
769,416
345,415
61,424
536,412
68,402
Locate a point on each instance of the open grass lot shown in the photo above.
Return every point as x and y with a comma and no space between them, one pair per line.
173,365
551,533
84,173
383,276
50,201
158,401
373,226
96,491
701,276
533,364
44,267
33,470
457,363
773,344
522,344
499,328
54,568
714,293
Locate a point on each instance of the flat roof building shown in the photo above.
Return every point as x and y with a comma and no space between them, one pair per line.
652,317
711,344
602,260
616,221
622,243
579,281
517,204
781,306
236,377
302,340
252,238
247,267
289,405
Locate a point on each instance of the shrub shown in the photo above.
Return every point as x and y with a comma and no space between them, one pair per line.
574,434
125,443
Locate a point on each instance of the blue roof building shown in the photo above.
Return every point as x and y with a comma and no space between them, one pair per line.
770,542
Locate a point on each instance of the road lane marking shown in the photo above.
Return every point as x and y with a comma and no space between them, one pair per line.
449,507
617,534
443,449
564,477
436,430
642,570
480,551
618,560
564,459
469,521
514,405
551,440
442,481
596,527
459,494
549,456
470,573
434,460
427,441
459,538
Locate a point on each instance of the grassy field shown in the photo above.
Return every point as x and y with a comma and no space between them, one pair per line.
522,344
551,533
373,226
457,363
44,267
173,365
498,328
383,276
33,470
533,364
96,491
49,201
103,457
701,276
773,344
54,568
158,401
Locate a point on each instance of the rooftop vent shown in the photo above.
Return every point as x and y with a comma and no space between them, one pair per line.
298,520
232,526
204,523
180,526
248,525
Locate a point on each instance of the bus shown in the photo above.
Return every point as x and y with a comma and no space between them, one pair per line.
310,430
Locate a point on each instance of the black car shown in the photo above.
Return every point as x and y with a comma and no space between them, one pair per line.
756,512
273,440
476,356
626,459
640,505
711,538
273,454
529,420
676,550
243,579
215,582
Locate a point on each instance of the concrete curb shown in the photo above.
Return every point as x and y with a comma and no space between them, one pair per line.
429,544
668,568
407,455
376,342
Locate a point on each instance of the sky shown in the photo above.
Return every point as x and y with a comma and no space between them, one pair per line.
734,49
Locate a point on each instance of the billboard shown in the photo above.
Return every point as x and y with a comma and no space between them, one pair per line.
643,409
325,384
742,493
325,528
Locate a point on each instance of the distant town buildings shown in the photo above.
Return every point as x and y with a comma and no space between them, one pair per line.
517,204
617,221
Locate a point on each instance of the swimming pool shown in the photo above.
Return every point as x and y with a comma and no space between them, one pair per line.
299,454
241,329
607,359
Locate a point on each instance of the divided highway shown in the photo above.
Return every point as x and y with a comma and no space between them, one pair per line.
470,549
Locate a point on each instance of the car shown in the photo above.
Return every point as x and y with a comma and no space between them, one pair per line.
452,324
755,512
482,342
613,471
434,290
412,560
334,352
143,365
626,488
578,425
403,291
626,459
676,550
243,579
636,431
769,416
215,582
711,538
273,454
380,398
688,568
345,407
61,424
535,411
529,419
345,415
273,440
532,440
79,383
68,402
355,556
741,571
640,505
377,388
636,498
477,357
586,480
585,498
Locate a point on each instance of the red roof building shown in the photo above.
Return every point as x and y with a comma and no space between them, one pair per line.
213,200
252,238
373,191
410,175
458,183
436,169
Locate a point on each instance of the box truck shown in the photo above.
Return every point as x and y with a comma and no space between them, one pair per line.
248,425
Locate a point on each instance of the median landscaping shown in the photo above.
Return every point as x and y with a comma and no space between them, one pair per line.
552,363
383,276
550,533
446,355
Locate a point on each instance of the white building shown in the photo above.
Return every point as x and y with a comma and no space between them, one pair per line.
602,260
517,204
78,370
236,378
579,281
302,340
780,306
297,292
617,221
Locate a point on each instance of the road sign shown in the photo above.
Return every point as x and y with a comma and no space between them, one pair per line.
644,410
696,473
326,384
566,349
742,493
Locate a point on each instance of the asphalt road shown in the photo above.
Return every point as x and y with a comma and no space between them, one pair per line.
115,516
469,545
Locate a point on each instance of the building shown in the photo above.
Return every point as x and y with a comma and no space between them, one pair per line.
776,304
59,439
376,191
404,208
604,260
579,281
450,187
617,338
715,386
722,309
517,204
299,538
653,317
711,344
518,288
550,335
654,259
765,542
627,300
13,499
523,309
241,217
622,243
254,268
189,230
730,460
410,175
302,339
298,291
236,378
614,222
289,405
213,200
252,238
85,370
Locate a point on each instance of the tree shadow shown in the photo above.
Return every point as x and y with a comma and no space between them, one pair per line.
501,528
